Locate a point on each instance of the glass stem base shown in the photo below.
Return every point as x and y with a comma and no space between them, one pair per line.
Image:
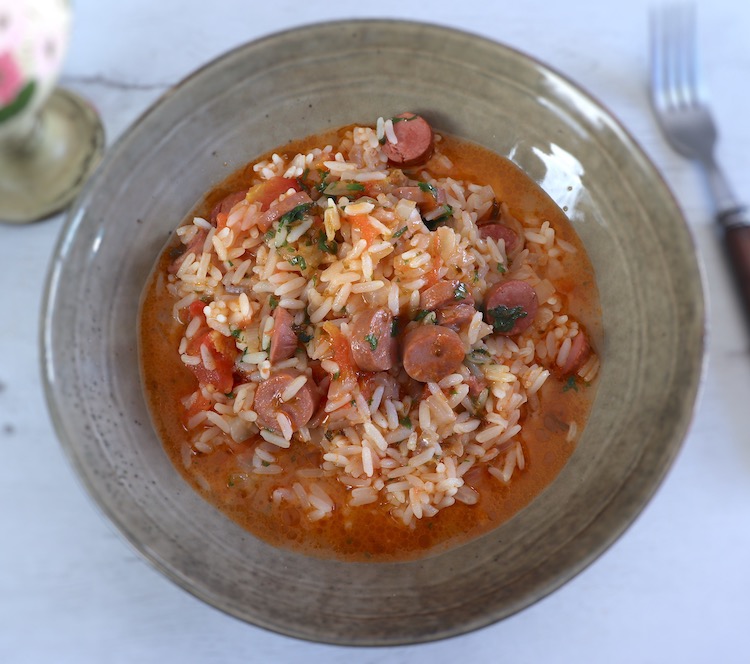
42,171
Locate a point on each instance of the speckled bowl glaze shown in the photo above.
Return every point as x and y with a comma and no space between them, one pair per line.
272,90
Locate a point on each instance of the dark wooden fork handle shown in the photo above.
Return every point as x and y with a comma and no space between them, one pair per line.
737,240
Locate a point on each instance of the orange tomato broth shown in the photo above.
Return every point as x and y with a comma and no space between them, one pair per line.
369,532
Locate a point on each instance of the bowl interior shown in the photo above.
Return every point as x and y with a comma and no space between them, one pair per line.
298,83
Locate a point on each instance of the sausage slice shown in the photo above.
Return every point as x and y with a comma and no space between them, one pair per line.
580,350
416,141
510,307
299,409
432,352
445,293
498,231
226,204
283,337
455,315
373,346
194,247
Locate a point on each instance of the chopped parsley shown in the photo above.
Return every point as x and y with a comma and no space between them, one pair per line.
429,317
570,384
265,464
394,119
504,318
405,422
273,302
302,333
342,187
447,213
299,261
372,340
476,275
327,247
460,291
501,268
428,189
230,395
323,177
479,356
400,232
336,375
236,333
295,214
328,435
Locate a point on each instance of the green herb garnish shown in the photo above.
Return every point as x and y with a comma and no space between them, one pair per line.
421,314
342,187
447,213
501,268
323,177
405,422
504,318
327,247
394,327
460,291
570,384
295,214
372,340
273,302
336,375
299,261
400,232
428,189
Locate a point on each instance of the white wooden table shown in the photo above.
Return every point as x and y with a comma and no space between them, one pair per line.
674,588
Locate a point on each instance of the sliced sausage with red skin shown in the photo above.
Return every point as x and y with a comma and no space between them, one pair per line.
416,141
432,352
287,205
373,346
455,315
226,204
283,337
195,246
299,409
580,351
445,293
372,381
498,231
520,306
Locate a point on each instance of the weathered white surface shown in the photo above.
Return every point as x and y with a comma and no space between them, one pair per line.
674,588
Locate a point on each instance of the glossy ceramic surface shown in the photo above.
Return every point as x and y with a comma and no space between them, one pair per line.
297,83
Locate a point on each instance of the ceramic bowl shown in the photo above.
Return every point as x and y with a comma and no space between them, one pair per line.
301,82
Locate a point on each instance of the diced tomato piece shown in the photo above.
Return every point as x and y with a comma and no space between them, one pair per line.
200,403
195,309
366,229
342,352
222,352
267,192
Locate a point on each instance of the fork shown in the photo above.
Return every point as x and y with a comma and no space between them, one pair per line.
680,106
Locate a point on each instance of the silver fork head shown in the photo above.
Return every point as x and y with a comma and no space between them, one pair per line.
677,92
